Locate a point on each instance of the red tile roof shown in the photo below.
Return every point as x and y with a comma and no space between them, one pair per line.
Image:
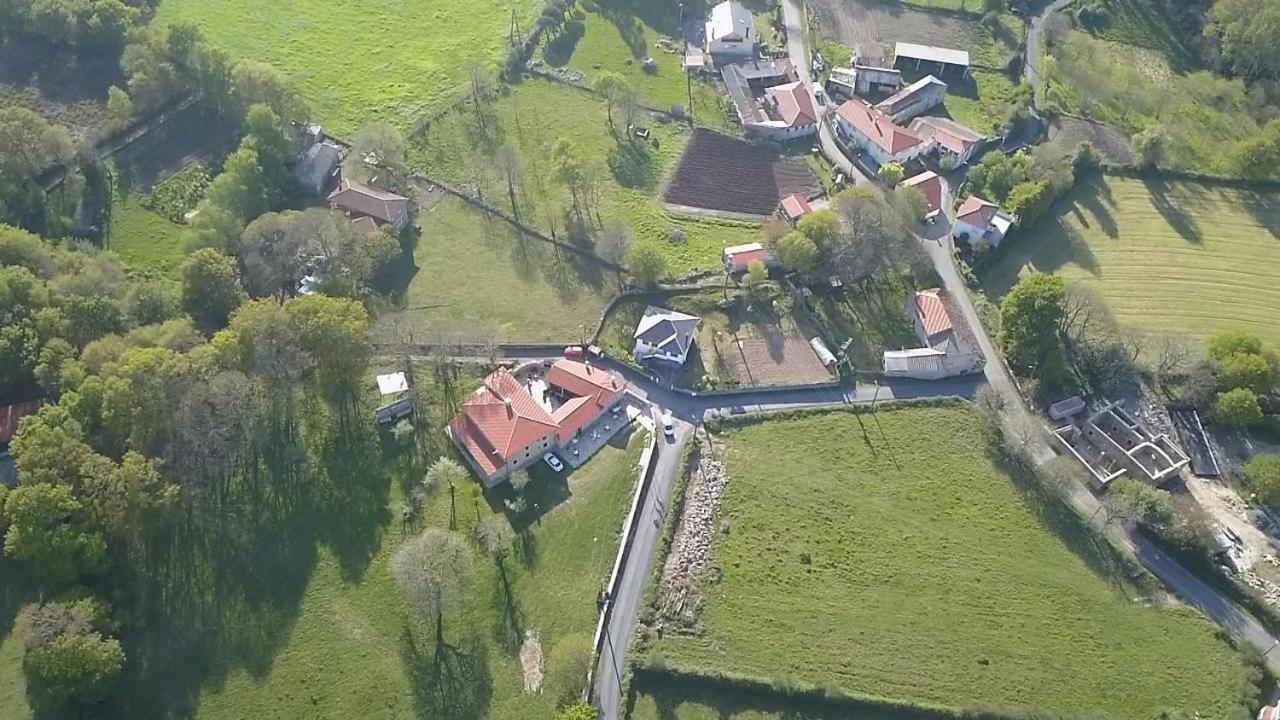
977,212
877,127
11,414
500,420
949,134
795,104
740,260
596,389
933,312
360,199
930,184
796,206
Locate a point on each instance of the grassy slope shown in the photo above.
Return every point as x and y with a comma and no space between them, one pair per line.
1173,255
531,117
16,588
473,274
931,579
348,655
360,62
144,240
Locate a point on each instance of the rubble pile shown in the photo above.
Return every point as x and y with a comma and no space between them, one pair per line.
690,549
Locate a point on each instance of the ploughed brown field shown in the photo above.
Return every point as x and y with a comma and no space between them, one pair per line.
725,174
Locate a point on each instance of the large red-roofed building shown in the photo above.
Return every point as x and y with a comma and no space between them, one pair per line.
502,428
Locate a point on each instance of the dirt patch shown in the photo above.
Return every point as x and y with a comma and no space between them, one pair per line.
869,25
688,564
762,357
1067,132
531,662
720,173
63,87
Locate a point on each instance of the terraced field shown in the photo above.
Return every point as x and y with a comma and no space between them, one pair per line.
1176,256
887,555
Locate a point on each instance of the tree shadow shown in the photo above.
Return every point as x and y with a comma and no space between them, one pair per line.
508,628
448,681
1265,209
17,588
633,164
1052,243
559,51
1165,200
219,588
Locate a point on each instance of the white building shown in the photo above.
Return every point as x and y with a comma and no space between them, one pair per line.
664,334
924,94
730,33
980,220
950,137
875,132
943,355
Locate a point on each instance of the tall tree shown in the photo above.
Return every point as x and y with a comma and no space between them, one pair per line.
614,89
1031,317
210,288
48,528
434,570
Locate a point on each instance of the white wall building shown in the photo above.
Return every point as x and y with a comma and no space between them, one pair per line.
730,33
875,132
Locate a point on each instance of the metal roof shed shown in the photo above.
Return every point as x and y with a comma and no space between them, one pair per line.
917,55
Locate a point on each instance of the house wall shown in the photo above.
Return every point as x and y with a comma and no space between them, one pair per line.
644,351
929,99
731,51
781,134
963,228
881,156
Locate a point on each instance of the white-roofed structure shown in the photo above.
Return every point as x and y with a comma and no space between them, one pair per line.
730,33
927,58
392,384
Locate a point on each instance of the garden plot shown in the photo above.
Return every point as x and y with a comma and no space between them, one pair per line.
724,174
866,23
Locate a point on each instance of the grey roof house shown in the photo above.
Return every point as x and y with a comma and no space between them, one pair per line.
665,334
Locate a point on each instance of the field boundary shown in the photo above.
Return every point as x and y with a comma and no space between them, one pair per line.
832,700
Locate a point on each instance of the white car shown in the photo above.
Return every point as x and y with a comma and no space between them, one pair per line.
668,428
553,462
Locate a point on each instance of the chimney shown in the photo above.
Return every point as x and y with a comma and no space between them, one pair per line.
506,402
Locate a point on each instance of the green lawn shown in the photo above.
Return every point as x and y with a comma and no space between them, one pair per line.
357,62
144,240
1176,256
618,36
888,556
985,103
530,118
474,276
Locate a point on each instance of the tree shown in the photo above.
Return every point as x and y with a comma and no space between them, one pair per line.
891,173
647,262
578,711
264,131
256,82
273,254
1131,500
508,161
1225,343
1245,31
1238,407
210,288
820,226
334,334
378,156
570,169
1258,157
28,146
495,536
757,275
75,668
434,570
119,108
1152,146
1262,475
613,244
798,252
1248,370
480,83
614,89
1031,316
48,528
1028,201
567,668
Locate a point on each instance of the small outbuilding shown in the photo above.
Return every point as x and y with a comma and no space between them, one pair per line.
737,258
930,186
927,58
924,94
793,207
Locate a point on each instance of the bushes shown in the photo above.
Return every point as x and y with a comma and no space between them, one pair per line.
178,195
68,660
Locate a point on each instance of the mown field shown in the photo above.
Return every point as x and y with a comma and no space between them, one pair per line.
318,628
529,119
355,63
1166,255
887,555
474,277
144,240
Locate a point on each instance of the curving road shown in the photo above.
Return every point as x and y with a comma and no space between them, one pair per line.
1031,60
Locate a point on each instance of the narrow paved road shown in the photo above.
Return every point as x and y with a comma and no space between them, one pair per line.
794,19
1035,39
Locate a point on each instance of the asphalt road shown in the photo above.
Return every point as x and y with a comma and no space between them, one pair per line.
644,543
1035,38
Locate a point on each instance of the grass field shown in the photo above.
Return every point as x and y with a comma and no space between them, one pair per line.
887,555
144,240
473,276
618,35
531,118
355,63
1175,256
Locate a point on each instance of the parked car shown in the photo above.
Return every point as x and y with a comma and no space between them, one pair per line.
574,351
668,427
553,462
